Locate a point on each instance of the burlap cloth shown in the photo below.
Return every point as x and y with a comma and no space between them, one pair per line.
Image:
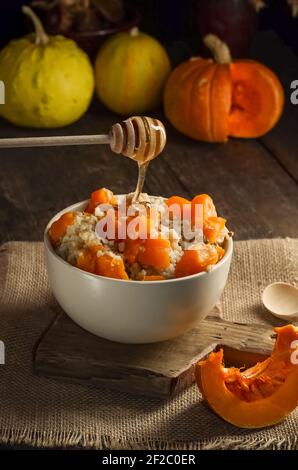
43,412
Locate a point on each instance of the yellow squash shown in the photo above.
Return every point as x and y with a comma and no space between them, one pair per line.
49,81
130,71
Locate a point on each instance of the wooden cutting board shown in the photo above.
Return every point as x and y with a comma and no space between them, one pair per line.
67,352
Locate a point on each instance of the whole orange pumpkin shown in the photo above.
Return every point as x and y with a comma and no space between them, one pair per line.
211,100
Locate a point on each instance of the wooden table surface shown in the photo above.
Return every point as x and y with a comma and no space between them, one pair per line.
253,182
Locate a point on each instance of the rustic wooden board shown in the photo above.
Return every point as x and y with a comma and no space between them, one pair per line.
67,352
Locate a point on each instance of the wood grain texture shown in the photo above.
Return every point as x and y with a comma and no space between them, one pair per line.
248,186
67,352
282,141
252,182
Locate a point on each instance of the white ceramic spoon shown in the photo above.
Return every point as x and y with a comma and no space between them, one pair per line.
281,299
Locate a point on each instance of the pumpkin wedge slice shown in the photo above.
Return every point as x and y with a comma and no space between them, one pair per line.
260,396
257,99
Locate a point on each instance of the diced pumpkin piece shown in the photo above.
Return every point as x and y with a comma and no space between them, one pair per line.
101,196
213,227
58,228
109,266
153,278
90,208
208,206
131,250
87,258
180,201
178,206
196,261
115,227
131,227
155,253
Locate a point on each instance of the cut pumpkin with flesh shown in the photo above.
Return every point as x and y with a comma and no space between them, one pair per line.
211,100
260,396
257,99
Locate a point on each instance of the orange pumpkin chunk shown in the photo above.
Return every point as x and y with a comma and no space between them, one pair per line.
208,206
87,258
196,261
108,266
131,227
213,228
131,250
58,228
177,205
155,253
256,397
101,196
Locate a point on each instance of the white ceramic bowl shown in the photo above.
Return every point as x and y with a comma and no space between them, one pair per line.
134,311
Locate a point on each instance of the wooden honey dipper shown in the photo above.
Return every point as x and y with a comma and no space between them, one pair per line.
140,138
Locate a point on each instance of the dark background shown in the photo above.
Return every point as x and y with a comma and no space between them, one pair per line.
253,181
166,19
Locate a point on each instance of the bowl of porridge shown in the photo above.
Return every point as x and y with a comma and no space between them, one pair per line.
138,272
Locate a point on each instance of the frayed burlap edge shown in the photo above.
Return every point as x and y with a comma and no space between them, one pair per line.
51,439
92,441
